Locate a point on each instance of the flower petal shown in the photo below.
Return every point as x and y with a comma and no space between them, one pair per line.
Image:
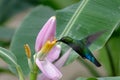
63,59
58,64
46,33
48,69
54,53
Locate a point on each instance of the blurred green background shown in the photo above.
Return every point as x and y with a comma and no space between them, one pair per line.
12,13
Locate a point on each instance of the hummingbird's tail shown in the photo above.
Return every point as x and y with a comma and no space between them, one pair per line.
93,60
96,63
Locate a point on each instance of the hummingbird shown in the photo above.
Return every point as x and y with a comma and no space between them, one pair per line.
82,46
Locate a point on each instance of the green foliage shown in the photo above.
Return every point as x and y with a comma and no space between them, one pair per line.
10,7
115,55
5,36
116,33
6,33
8,57
110,57
58,4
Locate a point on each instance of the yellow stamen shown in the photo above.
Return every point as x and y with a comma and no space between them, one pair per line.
45,49
27,50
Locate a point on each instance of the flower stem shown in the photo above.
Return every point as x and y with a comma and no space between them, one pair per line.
34,72
30,63
20,73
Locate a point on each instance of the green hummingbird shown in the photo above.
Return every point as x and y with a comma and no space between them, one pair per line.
81,46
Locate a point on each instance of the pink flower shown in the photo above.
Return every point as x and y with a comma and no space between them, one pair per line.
63,59
46,33
54,53
59,63
48,69
47,51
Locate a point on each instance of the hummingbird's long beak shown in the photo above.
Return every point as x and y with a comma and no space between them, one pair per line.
58,40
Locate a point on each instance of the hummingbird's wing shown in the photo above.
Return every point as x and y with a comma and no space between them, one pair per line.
85,53
91,38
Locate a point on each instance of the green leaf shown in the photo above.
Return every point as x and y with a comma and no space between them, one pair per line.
6,33
114,45
110,57
27,33
116,32
8,57
58,4
104,78
5,36
7,9
88,17
104,59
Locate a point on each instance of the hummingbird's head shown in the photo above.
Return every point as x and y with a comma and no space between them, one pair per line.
66,40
